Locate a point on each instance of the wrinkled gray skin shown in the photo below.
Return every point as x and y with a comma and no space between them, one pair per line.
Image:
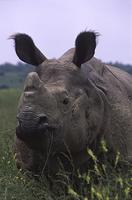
82,101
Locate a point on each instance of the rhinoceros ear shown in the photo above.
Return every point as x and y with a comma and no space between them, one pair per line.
85,45
26,49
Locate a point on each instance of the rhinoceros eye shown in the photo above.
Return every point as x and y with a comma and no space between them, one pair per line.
66,101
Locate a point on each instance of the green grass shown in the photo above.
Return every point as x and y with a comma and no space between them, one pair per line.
102,182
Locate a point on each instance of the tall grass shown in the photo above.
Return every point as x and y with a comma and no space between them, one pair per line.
102,181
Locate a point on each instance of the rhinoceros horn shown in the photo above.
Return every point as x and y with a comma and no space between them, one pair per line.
26,49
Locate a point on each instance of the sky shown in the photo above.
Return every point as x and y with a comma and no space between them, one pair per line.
54,25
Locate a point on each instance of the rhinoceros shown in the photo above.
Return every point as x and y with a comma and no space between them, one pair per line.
68,105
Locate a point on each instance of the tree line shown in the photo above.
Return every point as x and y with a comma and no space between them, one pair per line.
13,76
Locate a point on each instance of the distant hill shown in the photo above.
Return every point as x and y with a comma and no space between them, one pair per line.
13,76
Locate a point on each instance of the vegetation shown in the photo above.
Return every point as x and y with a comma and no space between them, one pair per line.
13,76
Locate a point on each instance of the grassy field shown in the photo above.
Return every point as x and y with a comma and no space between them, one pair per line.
112,183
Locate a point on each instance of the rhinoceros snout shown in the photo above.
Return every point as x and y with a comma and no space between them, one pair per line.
31,124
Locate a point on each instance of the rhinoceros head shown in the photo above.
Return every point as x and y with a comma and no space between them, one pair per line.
59,106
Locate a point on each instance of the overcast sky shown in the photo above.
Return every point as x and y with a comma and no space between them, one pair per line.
54,25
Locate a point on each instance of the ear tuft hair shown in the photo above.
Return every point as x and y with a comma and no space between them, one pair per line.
85,45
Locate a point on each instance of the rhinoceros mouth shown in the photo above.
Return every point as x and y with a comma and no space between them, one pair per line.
35,137
36,131
42,130
32,125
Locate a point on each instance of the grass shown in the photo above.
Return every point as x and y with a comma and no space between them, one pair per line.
102,182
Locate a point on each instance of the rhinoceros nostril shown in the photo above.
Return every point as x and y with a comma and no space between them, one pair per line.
43,119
